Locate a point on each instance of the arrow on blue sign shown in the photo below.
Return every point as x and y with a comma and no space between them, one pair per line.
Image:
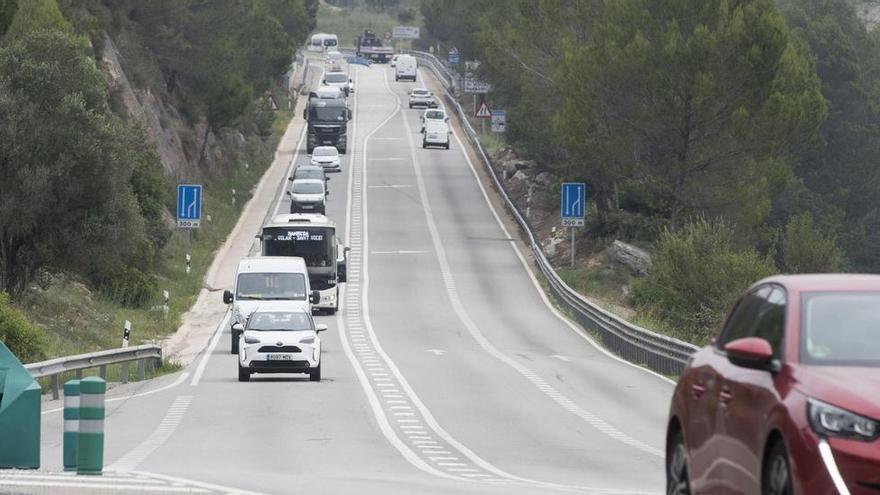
573,203
189,205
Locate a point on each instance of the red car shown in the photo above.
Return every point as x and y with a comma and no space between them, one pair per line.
787,399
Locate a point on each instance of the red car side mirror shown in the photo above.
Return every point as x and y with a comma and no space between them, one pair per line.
750,352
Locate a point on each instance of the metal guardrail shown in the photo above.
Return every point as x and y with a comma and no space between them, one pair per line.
146,355
665,355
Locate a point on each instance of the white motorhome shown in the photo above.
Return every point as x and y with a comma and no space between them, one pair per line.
320,42
405,67
268,282
313,238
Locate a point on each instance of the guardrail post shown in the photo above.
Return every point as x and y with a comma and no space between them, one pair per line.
124,368
141,370
71,423
102,371
54,386
90,438
79,374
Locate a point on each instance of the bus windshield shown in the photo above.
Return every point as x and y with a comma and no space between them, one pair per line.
336,77
271,287
313,244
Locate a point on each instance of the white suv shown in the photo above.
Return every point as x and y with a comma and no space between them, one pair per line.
421,97
278,341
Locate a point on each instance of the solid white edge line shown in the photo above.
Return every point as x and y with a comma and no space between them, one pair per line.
375,405
180,379
209,351
831,465
579,331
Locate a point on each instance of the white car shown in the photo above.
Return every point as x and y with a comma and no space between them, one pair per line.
421,97
339,79
436,134
308,196
327,157
268,282
433,115
276,341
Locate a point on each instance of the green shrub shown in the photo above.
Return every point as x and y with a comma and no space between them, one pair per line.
696,276
126,285
805,249
22,337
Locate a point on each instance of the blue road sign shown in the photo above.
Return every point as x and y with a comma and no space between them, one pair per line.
454,58
574,199
189,206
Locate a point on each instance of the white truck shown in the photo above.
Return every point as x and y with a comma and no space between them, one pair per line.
313,238
405,67
267,282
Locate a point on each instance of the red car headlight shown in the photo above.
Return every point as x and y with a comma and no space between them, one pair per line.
832,421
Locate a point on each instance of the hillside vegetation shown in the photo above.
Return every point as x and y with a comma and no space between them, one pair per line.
104,107
737,139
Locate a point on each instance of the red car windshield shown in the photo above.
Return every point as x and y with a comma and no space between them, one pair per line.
841,328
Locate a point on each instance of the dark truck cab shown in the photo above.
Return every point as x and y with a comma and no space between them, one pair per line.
327,121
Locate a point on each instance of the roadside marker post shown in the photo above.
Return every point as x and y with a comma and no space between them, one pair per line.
90,437
126,336
166,299
572,210
71,423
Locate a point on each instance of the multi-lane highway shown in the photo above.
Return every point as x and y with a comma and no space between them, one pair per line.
445,371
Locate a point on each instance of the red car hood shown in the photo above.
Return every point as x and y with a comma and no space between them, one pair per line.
855,389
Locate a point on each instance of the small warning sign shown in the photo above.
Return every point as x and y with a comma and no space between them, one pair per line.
270,101
483,112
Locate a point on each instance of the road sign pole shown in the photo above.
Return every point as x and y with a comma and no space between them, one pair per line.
572,247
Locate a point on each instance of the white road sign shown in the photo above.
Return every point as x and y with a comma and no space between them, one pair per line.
499,120
473,85
405,32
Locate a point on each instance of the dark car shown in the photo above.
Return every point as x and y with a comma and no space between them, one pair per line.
787,399
309,172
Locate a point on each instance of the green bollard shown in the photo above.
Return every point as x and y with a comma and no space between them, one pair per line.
90,438
71,423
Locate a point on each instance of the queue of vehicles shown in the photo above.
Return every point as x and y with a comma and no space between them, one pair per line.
302,261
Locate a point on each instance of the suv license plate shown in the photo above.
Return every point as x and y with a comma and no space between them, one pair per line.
279,357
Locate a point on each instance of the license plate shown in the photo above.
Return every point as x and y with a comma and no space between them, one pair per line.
279,357
307,207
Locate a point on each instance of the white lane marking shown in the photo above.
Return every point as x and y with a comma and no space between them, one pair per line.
560,357
436,352
137,455
425,412
71,476
460,311
580,332
210,349
385,159
399,252
94,485
372,396
180,379
201,484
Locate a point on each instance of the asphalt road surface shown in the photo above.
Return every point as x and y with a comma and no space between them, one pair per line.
445,371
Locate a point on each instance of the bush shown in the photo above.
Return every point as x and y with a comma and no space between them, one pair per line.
805,249
696,276
126,285
22,337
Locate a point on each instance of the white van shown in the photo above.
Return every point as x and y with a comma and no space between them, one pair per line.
320,42
437,133
405,68
268,282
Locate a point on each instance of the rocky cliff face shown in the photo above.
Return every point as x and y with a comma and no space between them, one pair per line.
869,12
177,142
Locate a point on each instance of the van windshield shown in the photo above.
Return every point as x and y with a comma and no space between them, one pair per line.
307,187
336,77
271,287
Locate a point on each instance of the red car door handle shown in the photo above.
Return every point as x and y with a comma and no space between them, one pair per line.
726,395
697,390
